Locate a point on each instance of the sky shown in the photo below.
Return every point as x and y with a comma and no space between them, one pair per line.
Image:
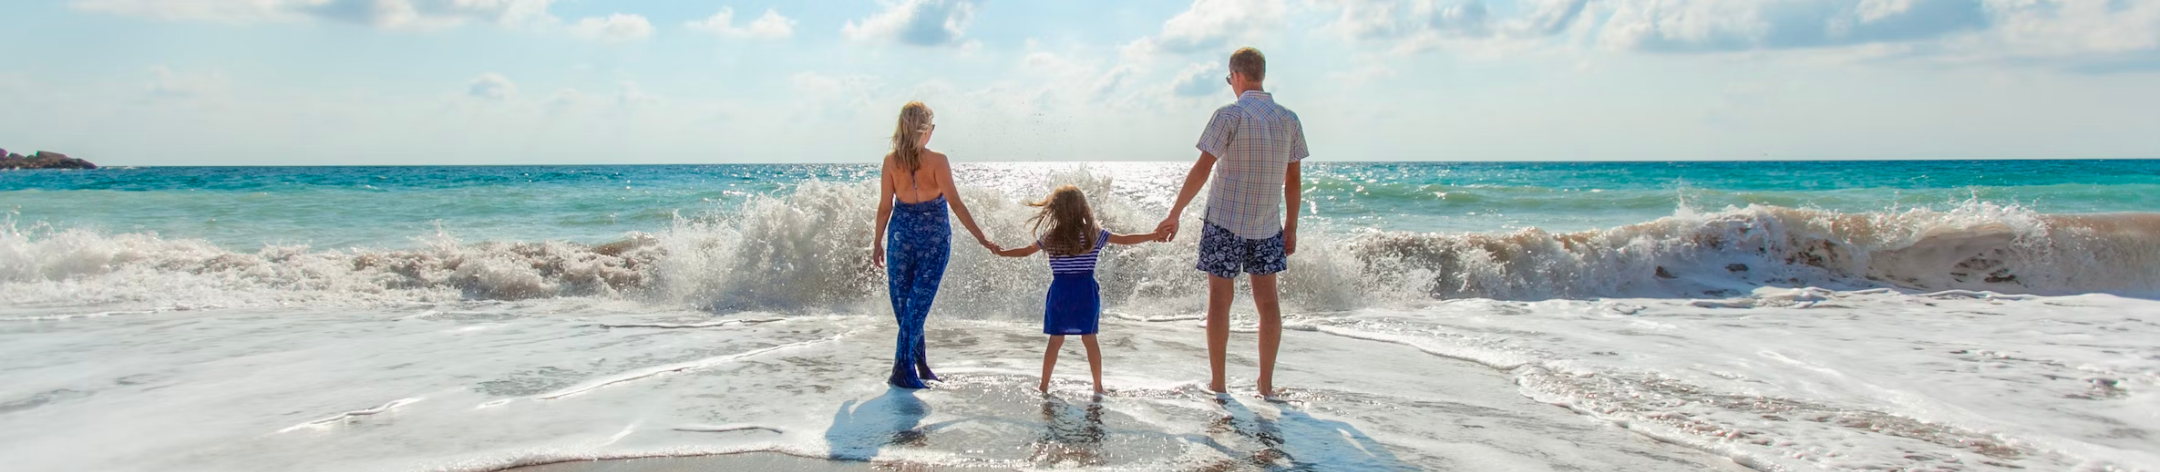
425,82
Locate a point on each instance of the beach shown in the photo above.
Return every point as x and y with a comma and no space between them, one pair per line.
1967,316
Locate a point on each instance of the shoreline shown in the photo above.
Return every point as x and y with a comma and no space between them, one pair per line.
752,460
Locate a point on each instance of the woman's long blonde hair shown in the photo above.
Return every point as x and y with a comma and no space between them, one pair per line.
1066,225
907,135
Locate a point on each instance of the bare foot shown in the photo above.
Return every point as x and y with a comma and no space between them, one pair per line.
1043,387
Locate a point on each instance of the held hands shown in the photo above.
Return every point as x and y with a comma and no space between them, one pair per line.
1167,230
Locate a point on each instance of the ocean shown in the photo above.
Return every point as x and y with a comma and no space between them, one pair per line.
1781,316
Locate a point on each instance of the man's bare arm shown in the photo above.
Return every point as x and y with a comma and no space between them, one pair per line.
1193,180
1292,193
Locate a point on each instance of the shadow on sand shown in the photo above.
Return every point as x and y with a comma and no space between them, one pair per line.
894,419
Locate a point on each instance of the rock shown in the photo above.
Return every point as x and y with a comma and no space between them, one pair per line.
44,160
1664,274
1736,267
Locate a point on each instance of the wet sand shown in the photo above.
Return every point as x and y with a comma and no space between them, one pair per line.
745,461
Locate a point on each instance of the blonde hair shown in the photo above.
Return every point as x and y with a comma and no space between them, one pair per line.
907,135
1065,225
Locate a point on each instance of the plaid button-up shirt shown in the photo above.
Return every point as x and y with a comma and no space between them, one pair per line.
1253,141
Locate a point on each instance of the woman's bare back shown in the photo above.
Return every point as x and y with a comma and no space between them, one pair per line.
920,186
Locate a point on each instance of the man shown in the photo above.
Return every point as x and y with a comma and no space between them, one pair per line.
1252,148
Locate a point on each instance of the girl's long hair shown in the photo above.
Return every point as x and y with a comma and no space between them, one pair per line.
907,135
1066,225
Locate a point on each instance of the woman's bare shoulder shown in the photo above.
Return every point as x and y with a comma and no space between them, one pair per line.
936,159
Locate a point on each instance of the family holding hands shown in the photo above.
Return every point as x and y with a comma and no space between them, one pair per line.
1249,157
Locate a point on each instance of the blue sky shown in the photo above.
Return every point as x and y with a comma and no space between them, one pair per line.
315,82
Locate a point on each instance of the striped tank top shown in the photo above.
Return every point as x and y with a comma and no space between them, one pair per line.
1078,264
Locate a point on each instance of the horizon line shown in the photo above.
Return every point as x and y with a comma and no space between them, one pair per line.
1472,161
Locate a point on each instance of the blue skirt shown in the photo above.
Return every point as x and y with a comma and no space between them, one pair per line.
1074,306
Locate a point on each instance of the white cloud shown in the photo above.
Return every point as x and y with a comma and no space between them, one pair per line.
237,11
1417,25
1201,79
2067,32
2074,27
771,25
616,28
1214,24
2076,34
491,86
387,14
915,22
1113,81
1367,19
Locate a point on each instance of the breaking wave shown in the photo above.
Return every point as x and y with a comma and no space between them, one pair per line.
807,251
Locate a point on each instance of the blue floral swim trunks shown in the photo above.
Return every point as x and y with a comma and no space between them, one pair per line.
1224,254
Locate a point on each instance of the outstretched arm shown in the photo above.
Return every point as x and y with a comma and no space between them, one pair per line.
1193,180
1131,239
1023,251
884,214
952,194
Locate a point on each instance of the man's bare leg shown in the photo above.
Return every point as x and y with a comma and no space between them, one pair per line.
1266,300
1220,292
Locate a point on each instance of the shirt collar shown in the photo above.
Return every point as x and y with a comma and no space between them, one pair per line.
1256,94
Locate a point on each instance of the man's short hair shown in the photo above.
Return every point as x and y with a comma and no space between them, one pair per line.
1249,62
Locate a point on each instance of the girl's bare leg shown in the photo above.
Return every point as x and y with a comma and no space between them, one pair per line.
1050,362
1094,361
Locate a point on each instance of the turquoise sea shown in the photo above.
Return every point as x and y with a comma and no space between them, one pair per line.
1983,316
388,207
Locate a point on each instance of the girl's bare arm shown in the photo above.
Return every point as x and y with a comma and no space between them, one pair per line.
1023,251
1131,239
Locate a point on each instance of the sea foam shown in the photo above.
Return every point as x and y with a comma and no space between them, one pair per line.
808,251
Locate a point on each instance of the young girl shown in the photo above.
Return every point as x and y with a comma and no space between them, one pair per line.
1068,233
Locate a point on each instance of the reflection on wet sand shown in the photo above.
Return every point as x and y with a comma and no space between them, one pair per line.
1071,435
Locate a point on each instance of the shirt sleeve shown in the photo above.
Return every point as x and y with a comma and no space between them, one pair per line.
1216,140
1297,141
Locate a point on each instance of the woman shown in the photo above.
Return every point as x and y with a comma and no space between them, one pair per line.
921,238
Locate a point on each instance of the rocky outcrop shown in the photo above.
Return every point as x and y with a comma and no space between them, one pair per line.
42,160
